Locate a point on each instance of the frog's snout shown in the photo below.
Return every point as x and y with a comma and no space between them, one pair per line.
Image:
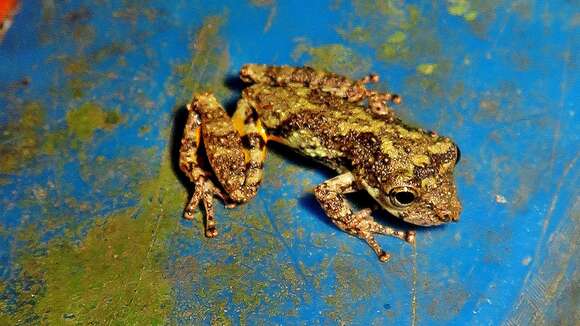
446,216
451,212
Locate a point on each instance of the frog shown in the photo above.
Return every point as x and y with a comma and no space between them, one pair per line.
332,119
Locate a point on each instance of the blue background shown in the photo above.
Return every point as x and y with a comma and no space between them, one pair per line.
498,77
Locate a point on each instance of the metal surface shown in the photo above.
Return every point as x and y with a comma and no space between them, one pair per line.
92,97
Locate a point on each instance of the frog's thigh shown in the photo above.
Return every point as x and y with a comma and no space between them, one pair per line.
361,224
188,159
341,86
246,121
222,143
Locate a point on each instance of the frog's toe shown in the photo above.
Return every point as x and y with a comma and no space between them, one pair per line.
370,79
384,256
370,240
205,191
193,202
188,214
210,225
211,232
410,237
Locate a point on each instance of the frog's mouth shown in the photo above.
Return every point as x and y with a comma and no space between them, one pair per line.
422,217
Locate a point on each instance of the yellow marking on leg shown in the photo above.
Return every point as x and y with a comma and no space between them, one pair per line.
245,127
246,121
262,131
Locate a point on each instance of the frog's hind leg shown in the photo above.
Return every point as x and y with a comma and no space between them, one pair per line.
237,169
190,164
330,195
351,90
246,121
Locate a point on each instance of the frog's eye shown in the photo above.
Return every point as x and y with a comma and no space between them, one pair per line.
402,196
458,158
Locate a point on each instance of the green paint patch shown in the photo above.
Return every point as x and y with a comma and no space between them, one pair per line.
83,121
77,87
20,140
333,57
481,14
397,37
114,273
395,47
462,8
426,68
429,81
357,34
399,33
54,142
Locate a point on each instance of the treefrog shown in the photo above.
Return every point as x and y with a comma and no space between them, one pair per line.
336,121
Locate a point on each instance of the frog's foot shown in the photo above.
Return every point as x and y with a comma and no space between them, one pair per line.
379,102
364,226
355,224
361,224
374,227
205,190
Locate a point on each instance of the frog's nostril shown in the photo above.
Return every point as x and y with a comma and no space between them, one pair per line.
448,216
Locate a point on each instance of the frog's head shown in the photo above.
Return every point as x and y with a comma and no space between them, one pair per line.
418,186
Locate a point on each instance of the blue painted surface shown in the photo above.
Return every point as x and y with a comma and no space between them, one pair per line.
505,88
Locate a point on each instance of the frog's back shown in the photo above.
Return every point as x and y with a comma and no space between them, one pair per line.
320,125
301,108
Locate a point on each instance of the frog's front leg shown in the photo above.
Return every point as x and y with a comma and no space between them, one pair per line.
361,224
253,136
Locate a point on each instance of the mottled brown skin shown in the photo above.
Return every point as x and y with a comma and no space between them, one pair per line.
336,121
